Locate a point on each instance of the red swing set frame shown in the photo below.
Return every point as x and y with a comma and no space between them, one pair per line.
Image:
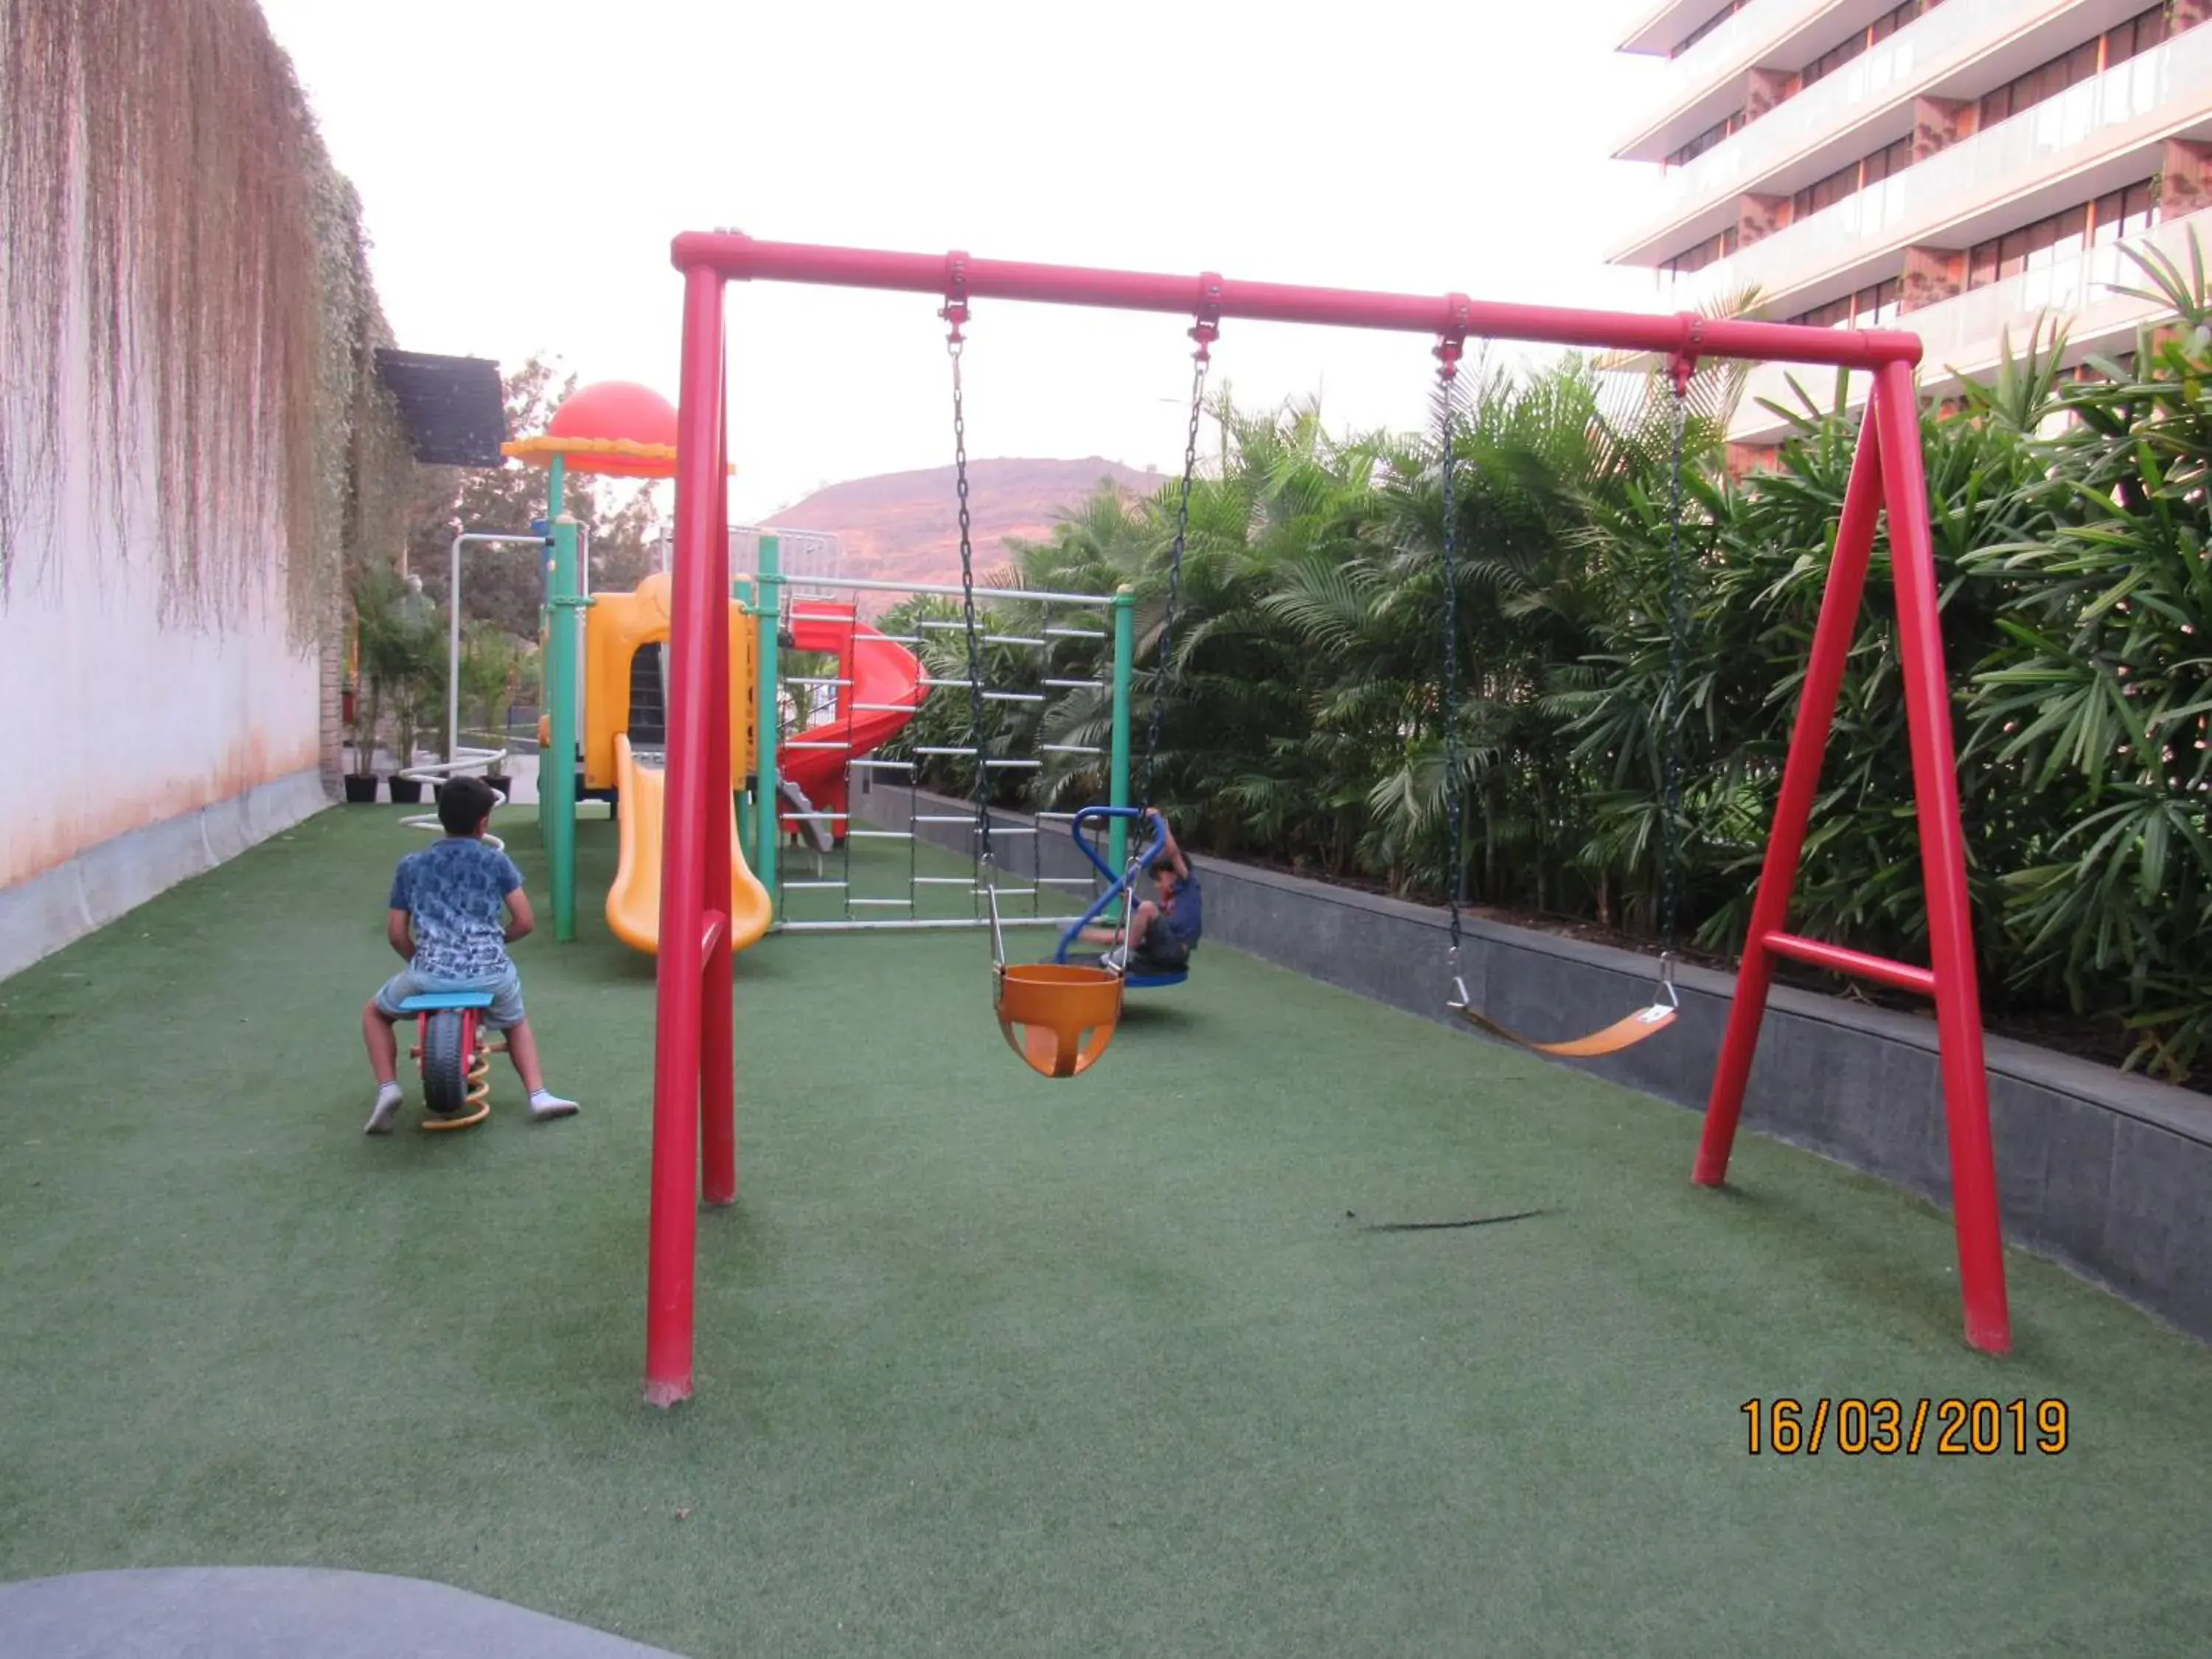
693,1102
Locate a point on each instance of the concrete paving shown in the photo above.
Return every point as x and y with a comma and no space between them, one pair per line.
280,1613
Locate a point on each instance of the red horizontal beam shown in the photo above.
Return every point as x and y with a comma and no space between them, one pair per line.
1837,959
740,258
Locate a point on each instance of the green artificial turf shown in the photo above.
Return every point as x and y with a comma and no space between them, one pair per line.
990,1365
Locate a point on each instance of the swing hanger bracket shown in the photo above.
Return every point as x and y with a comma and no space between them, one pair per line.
1451,344
1684,363
1207,329
955,313
1459,999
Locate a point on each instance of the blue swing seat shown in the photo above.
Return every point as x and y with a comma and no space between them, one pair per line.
1135,975
1134,978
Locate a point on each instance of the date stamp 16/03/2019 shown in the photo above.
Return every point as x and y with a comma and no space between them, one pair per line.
1885,1427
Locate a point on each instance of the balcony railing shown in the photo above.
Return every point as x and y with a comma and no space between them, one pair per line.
1986,167
1909,57
1962,333
1727,51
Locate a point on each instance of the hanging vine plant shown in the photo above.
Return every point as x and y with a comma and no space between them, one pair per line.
173,226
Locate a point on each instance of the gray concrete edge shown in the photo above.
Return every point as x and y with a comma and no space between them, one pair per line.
2107,1173
2181,1110
60,905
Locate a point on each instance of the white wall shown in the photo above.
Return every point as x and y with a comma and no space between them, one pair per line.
114,717
114,722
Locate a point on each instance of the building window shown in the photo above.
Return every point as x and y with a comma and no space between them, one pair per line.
1708,27
2118,214
2093,56
1848,180
1704,253
1875,306
1880,29
2127,212
2139,33
1706,140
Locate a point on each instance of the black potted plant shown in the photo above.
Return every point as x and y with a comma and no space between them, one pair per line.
361,781
407,700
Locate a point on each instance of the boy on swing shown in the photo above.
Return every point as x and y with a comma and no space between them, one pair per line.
1162,932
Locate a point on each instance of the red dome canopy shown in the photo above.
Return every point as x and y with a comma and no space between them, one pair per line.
615,428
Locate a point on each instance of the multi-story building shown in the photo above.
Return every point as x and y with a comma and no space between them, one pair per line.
1961,168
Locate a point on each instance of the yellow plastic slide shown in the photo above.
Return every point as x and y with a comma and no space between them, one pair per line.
634,901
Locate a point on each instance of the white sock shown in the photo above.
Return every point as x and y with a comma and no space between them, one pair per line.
544,1103
386,1111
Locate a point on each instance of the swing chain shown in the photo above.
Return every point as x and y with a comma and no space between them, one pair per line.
1207,331
1448,352
955,315
1679,373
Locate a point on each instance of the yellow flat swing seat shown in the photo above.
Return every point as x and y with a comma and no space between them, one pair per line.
1624,1033
1058,1016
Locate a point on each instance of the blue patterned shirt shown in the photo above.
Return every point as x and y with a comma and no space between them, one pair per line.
453,889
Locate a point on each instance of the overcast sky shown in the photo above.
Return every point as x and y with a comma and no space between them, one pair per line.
523,168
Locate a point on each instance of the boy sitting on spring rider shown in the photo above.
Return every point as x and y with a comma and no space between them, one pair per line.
445,920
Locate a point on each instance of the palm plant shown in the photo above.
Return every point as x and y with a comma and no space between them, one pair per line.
402,660
1303,693
1756,577
2103,693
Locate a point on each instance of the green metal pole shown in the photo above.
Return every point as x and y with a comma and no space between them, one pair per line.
1125,652
545,613
741,593
556,770
765,701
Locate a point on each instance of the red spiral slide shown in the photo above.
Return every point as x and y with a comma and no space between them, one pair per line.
884,690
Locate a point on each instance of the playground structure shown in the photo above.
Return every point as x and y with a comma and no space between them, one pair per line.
625,704
694,1105
604,672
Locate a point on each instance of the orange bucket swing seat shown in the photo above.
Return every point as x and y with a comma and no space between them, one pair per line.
1058,1016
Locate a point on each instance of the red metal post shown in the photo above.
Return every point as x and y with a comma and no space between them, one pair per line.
1801,781
718,1109
675,1075
1974,1209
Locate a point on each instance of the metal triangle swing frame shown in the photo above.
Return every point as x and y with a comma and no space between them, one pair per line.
1660,1013
694,1132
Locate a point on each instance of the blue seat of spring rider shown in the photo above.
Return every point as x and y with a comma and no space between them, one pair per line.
431,1002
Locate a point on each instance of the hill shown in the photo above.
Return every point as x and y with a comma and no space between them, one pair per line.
904,526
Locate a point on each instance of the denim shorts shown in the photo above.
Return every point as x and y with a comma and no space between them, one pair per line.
505,985
1163,948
